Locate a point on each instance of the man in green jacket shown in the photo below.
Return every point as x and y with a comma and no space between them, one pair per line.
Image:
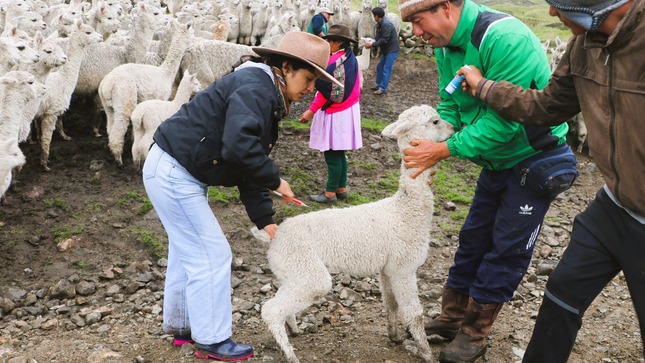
497,239
602,75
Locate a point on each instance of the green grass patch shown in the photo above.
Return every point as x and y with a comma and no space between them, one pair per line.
455,180
55,202
64,232
294,124
223,195
153,243
364,165
145,207
374,125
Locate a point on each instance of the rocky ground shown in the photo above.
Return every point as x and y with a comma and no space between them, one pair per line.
80,280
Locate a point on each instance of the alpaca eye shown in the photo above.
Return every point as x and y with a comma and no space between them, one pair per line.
21,47
48,51
435,122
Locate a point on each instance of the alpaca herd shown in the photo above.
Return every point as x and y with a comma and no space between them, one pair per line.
85,49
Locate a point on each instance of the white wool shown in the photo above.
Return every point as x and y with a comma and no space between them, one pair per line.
148,115
389,237
129,84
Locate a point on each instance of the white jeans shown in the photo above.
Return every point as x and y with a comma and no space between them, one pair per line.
197,295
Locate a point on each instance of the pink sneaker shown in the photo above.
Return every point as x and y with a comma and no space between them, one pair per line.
180,340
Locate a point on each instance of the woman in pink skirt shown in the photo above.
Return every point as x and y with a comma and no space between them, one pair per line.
336,113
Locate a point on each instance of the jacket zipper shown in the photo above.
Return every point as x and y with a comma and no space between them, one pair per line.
612,122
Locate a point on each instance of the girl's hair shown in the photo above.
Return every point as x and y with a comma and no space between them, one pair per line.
275,60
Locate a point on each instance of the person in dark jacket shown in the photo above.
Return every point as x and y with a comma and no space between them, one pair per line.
387,39
523,168
223,137
318,24
601,75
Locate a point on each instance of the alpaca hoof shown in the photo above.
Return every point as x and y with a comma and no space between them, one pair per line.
395,335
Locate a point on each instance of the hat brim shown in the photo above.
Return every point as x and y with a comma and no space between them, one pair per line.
339,37
322,73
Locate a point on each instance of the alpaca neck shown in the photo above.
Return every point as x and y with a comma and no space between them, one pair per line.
6,65
13,100
140,38
415,192
184,91
173,58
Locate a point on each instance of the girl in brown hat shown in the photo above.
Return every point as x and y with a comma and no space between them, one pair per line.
223,136
336,113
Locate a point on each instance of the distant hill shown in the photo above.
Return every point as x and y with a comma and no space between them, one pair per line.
534,13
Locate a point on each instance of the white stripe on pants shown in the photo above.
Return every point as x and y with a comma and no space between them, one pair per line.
197,293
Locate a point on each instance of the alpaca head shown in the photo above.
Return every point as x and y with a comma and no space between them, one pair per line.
418,122
18,50
10,154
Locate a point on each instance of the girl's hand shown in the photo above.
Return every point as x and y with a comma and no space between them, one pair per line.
306,116
271,229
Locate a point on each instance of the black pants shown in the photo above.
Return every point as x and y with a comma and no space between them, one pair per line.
605,240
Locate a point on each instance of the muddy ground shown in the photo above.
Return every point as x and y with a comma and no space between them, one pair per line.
99,300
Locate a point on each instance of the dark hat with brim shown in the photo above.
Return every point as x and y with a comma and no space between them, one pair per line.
304,47
339,32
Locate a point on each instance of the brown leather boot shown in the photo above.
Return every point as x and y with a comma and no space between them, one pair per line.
453,305
470,342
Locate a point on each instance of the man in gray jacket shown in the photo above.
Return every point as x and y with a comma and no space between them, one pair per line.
387,39
602,75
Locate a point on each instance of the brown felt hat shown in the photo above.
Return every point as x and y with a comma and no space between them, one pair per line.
305,47
411,7
339,32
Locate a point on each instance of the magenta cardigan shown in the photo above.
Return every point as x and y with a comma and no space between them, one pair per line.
320,100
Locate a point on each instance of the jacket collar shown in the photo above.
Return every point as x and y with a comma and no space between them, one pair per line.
623,33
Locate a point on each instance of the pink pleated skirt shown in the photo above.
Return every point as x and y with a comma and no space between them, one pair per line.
337,131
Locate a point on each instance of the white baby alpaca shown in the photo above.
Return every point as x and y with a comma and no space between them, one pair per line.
389,237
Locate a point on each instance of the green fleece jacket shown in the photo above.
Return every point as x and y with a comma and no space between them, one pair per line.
503,48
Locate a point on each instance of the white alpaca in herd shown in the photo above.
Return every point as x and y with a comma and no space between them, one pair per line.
148,115
129,84
60,86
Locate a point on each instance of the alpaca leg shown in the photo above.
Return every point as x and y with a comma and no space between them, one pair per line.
276,311
293,297
116,137
411,311
109,117
293,325
98,115
121,122
138,153
47,126
391,308
61,130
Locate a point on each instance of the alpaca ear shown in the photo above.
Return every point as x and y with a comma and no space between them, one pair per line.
53,35
398,128
38,38
8,81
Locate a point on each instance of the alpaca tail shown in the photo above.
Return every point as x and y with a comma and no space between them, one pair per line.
260,235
